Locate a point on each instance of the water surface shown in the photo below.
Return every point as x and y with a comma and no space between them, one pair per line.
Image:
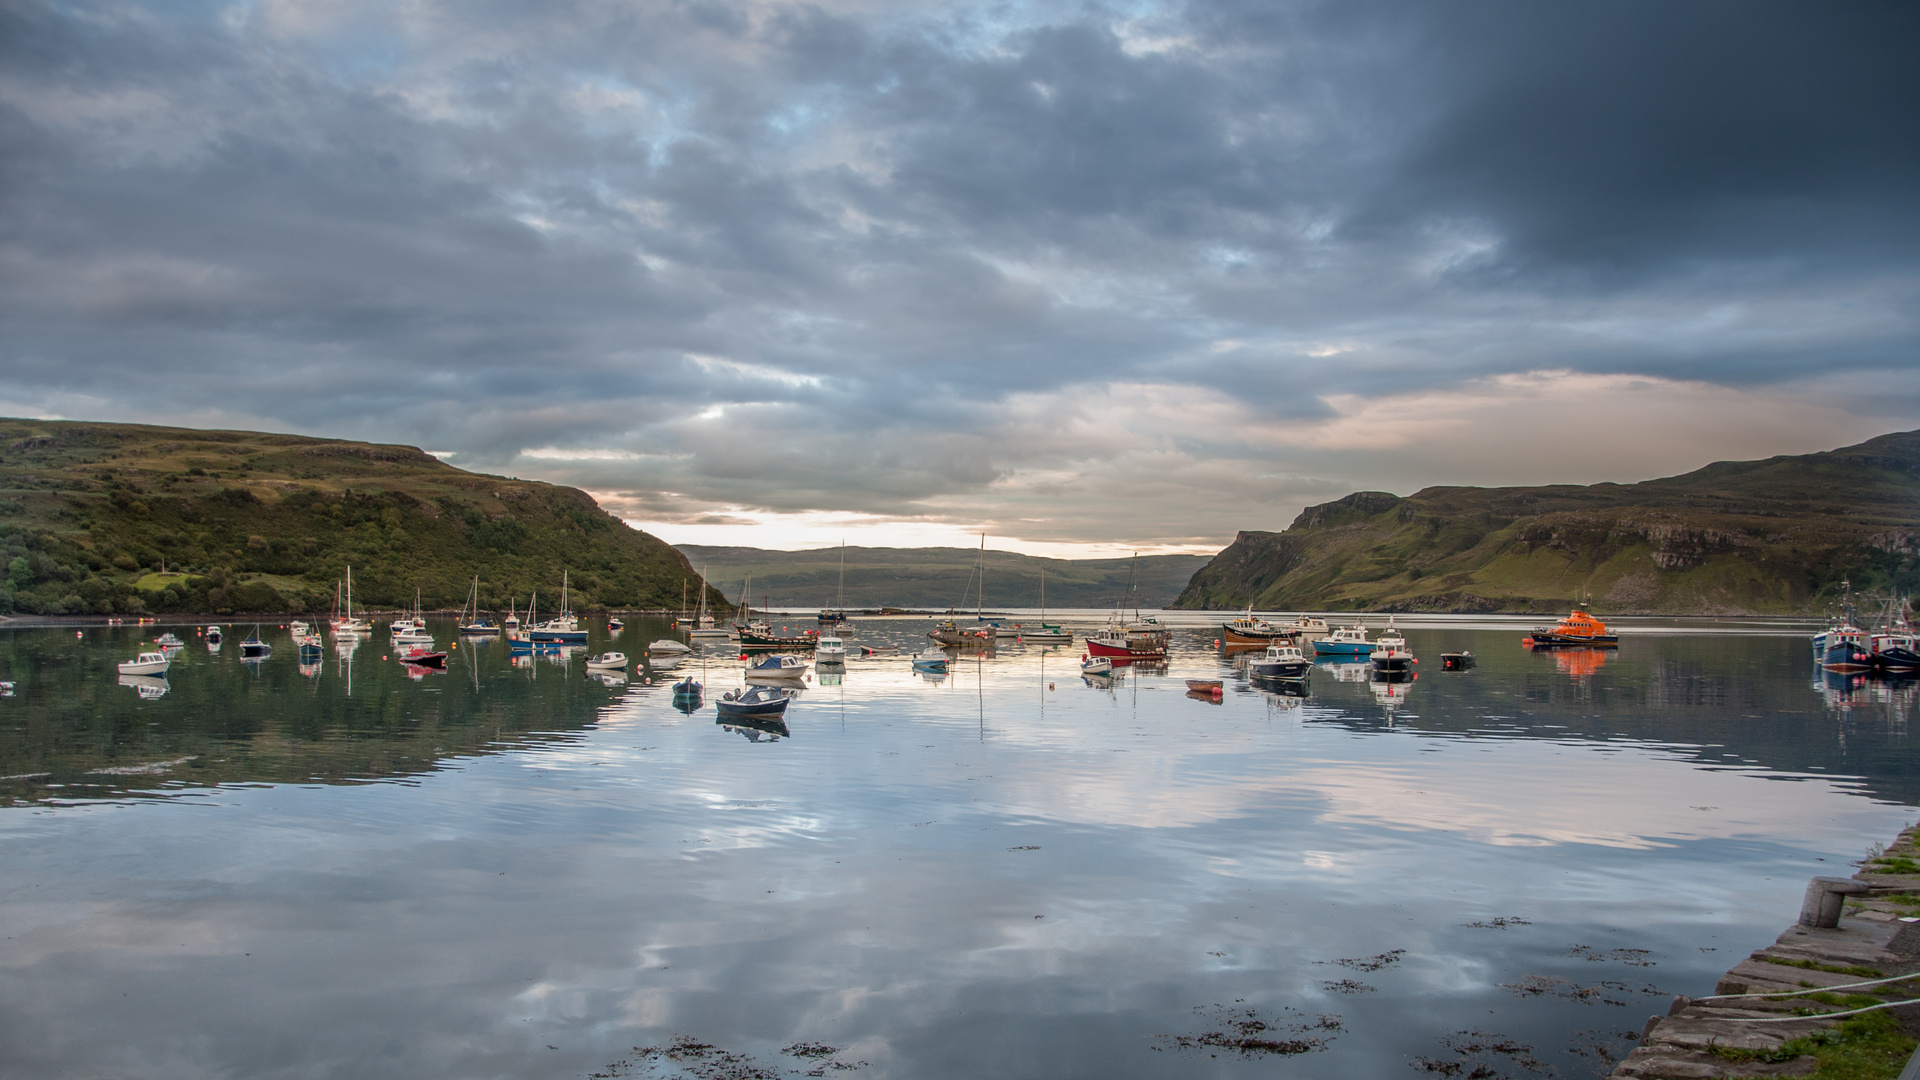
524,871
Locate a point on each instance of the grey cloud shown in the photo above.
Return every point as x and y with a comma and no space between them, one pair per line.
510,226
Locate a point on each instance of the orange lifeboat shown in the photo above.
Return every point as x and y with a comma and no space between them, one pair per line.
1578,628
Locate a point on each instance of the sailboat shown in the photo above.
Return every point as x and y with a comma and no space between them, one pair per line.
837,613
703,626
1049,633
343,621
479,625
562,629
411,630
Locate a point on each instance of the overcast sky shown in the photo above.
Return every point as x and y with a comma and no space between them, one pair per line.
1087,277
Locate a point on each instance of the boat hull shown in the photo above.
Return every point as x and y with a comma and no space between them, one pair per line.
1343,648
1385,661
751,640
1846,655
1548,639
558,637
1127,653
1233,635
1896,659
1279,669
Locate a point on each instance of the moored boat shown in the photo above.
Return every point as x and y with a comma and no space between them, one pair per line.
420,656
1456,661
1206,686
971,637
1280,662
761,636
1390,652
1346,641
1578,628
1096,665
667,647
253,648
761,701
933,658
781,666
1248,630
147,663
829,649
615,660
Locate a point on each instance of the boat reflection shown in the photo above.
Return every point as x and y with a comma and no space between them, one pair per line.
612,680
1346,671
149,687
1390,690
756,728
1580,662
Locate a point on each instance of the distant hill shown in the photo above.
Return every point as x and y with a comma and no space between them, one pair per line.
1736,537
244,521
937,577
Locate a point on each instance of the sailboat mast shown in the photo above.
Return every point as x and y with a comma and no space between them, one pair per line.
980,598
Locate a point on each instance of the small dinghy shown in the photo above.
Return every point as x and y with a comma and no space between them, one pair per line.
1456,661
418,656
615,660
933,659
615,625
1206,686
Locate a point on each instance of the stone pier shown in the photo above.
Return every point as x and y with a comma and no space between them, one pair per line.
1850,930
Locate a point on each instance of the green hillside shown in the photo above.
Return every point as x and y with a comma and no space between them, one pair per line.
938,578
129,519
1736,537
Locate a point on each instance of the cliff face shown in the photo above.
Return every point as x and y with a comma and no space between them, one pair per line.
103,519
1736,537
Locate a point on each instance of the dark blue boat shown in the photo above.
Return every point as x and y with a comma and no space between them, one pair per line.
757,701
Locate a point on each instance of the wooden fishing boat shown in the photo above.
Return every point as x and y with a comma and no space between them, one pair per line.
1206,686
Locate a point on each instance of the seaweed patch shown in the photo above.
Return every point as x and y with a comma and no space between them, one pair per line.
1480,1055
1500,923
1630,957
1368,963
1246,1032
695,1060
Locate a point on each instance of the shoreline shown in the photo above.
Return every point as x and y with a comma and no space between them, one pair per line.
1767,1015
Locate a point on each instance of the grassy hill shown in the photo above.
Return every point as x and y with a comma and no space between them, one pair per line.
131,519
1772,536
938,578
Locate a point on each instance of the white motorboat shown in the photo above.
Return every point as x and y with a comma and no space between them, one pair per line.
783,666
933,658
412,635
1096,665
830,649
147,663
616,660
1390,652
668,647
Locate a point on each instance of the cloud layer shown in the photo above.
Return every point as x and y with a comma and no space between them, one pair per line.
1137,274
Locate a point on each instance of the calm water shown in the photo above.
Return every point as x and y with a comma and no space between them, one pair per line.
522,871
